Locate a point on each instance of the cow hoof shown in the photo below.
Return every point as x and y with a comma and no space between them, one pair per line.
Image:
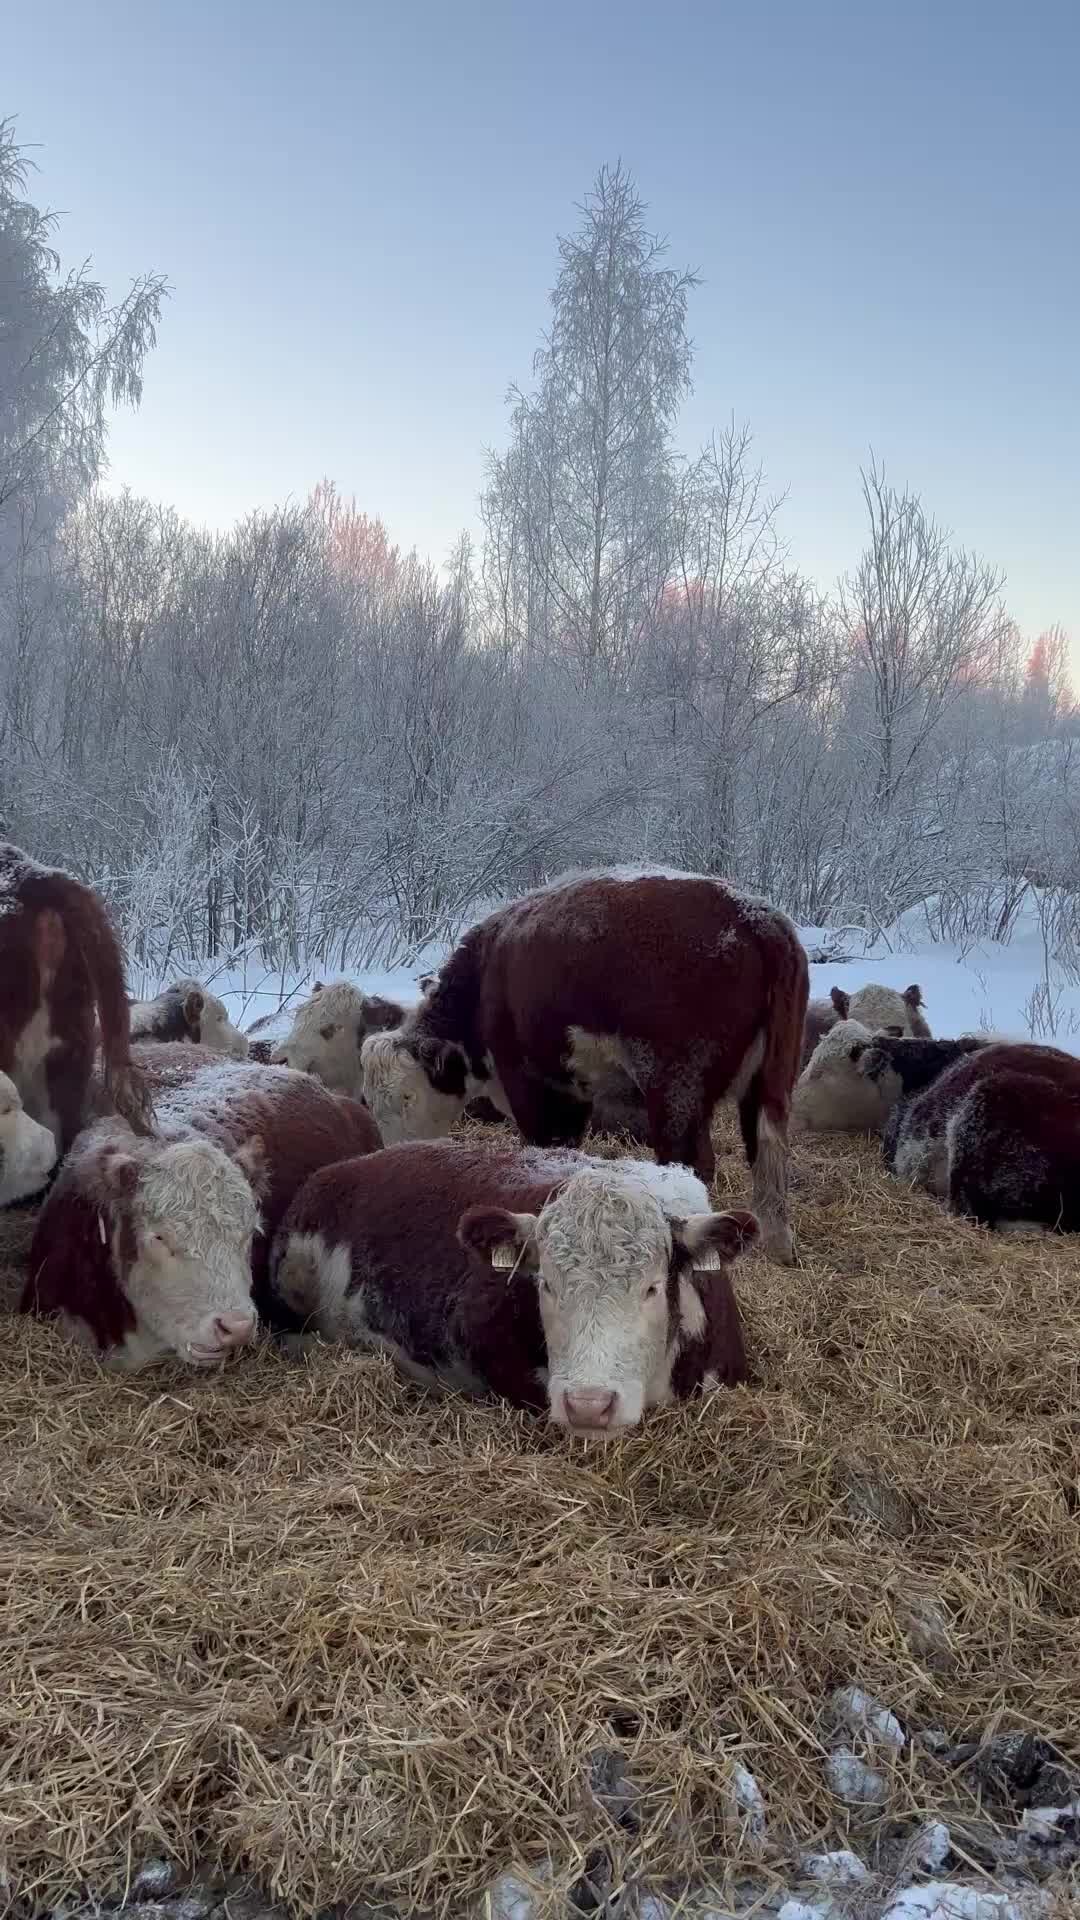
779,1244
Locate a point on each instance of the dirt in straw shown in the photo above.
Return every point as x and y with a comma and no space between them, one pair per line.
309,1623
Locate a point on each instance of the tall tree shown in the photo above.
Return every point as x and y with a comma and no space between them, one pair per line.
577,511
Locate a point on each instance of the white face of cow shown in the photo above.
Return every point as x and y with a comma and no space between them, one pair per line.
27,1150
329,1031
183,1250
616,1297
834,1095
405,1101
216,1030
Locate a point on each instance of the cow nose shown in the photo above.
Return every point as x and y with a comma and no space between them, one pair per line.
589,1407
234,1329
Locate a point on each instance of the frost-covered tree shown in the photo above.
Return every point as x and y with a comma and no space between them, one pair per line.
578,509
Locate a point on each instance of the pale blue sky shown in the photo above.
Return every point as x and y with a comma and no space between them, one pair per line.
357,208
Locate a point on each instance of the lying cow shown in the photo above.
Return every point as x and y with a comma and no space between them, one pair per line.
153,1247
61,980
329,1030
882,1009
836,1092
996,1135
186,1011
27,1150
693,991
594,1288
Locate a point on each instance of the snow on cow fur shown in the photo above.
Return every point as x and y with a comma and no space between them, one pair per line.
27,1149
595,1288
996,1135
151,1247
188,1011
693,990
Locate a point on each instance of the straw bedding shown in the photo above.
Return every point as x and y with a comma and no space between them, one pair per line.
307,1623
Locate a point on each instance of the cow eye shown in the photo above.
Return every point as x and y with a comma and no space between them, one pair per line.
327,1033
652,1290
6,1112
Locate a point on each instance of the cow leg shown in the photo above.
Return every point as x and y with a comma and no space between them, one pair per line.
546,1116
679,1127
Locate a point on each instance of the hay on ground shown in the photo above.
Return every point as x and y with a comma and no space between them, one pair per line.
356,1641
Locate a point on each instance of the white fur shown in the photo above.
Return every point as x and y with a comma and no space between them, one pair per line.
27,1149
215,1028
32,1049
194,1214
832,1093
402,1100
326,1037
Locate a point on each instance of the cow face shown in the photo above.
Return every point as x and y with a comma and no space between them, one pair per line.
329,1031
184,1219
205,1015
834,1095
617,1297
415,1088
27,1150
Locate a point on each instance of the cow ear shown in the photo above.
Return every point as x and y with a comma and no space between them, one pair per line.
444,1065
120,1173
194,1004
913,998
379,1015
254,1164
507,1241
841,1001
317,988
714,1239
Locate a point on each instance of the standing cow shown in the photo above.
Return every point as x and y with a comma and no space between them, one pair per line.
147,1248
61,979
693,990
594,1288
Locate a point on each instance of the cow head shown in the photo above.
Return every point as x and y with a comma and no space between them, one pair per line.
27,1150
615,1277
415,1087
183,1218
329,1030
833,1094
208,1022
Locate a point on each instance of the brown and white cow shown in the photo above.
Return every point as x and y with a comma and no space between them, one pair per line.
593,1288
61,980
996,1135
147,1248
882,1009
329,1030
693,990
188,1011
28,1151
836,1093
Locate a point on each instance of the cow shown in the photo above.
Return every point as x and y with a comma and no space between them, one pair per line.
996,1135
329,1030
27,1150
61,983
695,992
186,1011
594,1289
147,1248
855,1077
882,1009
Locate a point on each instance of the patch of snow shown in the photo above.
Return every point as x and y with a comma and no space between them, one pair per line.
952,1900
1046,1823
805,1910
861,1713
511,1898
853,1780
932,1846
841,1868
748,1797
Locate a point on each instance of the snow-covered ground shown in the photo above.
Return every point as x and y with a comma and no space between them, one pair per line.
1011,988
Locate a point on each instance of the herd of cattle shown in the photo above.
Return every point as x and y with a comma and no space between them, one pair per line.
198,1181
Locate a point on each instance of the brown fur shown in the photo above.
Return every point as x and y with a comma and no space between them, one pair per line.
59,959
413,1218
299,1125
685,973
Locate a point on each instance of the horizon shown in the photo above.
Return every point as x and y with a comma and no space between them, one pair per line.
363,320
